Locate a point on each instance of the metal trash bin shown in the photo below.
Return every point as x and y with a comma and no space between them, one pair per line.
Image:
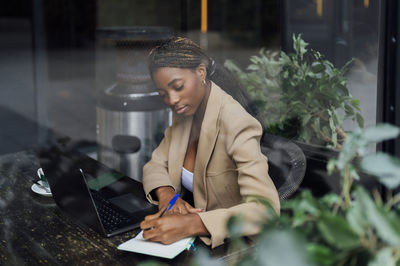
131,117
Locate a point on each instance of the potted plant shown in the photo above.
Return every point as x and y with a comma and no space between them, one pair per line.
300,95
303,97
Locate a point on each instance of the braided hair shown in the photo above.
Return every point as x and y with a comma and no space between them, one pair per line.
181,52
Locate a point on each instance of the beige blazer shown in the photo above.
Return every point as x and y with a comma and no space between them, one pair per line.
229,168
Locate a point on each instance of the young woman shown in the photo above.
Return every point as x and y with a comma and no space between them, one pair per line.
211,153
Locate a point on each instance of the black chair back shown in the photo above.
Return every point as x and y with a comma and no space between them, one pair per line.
287,163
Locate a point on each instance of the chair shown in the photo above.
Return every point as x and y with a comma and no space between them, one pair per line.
287,163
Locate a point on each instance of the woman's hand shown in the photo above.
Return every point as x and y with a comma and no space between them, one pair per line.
165,194
172,227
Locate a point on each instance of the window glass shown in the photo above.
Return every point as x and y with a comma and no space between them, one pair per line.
75,72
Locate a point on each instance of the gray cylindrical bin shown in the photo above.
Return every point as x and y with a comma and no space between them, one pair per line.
131,117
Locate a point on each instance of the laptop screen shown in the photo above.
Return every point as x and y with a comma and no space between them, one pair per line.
70,191
72,176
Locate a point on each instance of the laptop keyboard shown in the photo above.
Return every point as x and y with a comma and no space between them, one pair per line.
111,216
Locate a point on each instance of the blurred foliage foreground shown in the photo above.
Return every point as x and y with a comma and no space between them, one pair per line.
357,227
354,228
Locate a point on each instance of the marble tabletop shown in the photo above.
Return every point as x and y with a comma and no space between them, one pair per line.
35,232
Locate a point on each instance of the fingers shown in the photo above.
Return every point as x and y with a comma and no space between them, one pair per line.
154,234
191,209
150,234
153,230
165,230
151,221
195,210
181,207
157,236
153,216
147,224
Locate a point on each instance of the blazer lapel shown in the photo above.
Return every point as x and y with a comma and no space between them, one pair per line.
208,135
180,137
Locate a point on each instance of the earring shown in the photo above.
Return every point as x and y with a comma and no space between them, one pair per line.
204,82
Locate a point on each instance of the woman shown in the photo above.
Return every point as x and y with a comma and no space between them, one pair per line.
211,153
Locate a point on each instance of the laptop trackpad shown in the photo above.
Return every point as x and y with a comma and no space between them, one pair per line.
130,203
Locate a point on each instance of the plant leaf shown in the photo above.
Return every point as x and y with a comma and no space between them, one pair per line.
385,223
306,135
330,199
353,172
271,244
357,219
349,110
330,167
384,257
317,67
317,126
334,139
381,132
232,66
203,258
355,103
308,205
253,67
360,120
332,123
320,254
348,151
299,46
337,231
341,90
385,167
325,130
305,119
235,226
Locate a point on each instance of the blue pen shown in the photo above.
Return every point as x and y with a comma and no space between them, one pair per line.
170,204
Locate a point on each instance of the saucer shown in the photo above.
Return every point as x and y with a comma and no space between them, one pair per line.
39,190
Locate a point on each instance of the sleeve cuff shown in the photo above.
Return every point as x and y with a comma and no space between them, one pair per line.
156,182
215,222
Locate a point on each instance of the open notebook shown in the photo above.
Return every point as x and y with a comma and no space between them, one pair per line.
140,245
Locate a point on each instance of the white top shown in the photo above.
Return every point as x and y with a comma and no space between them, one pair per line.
187,179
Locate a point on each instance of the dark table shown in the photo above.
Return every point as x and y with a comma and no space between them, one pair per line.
35,231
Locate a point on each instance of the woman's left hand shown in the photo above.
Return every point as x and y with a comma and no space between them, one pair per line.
172,227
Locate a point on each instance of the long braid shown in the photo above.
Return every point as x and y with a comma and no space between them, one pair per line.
183,53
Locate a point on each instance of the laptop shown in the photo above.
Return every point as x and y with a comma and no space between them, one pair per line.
116,208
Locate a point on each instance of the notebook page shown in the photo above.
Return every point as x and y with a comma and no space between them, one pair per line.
140,245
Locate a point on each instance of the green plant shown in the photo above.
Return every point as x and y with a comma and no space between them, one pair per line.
353,228
300,95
